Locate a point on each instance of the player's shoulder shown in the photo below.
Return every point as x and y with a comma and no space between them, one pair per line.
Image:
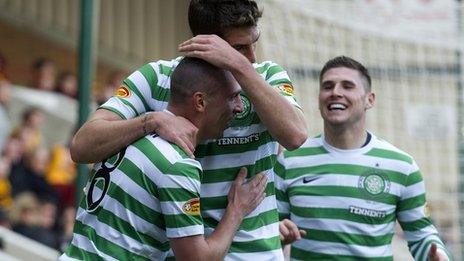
163,66
385,149
265,65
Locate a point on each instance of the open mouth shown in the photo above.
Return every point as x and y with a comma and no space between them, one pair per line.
336,107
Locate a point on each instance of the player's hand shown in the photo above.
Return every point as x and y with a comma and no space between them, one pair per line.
289,232
174,129
435,255
245,196
214,50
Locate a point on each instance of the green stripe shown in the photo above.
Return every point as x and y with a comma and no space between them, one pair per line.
259,245
416,225
305,152
281,195
348,238
414,178
345,169
81,254
220,202
137,175
185,170
129,230
133,88
389,154
151,77
341,214
153,154
105,245
300,254
341,191
165,70
176,194
279,170
274,69
262,67
113,110
182,220
249,224
133,205
229,174
411,203
213,148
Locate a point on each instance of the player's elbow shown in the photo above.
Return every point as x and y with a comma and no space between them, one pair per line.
77,151
294,141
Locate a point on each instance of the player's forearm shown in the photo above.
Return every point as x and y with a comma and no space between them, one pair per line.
99,139
279,116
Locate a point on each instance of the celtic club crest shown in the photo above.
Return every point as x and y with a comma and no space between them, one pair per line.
374,183
244,117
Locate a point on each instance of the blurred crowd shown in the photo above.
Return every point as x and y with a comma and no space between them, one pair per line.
37,183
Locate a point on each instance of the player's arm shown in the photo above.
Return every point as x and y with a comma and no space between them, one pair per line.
278,115
422,236
243,198
105,133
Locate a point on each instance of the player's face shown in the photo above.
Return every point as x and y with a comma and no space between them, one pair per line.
222,107
243,39
343,100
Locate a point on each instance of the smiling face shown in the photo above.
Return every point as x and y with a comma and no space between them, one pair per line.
221,108
343,98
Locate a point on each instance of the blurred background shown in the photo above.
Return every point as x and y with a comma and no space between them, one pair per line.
413,48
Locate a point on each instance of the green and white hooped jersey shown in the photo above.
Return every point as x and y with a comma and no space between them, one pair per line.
246,143
135,202
348,201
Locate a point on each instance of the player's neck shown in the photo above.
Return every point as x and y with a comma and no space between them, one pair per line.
345,138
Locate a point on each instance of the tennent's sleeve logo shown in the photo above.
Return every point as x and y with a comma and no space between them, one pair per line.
192,207
123,92
286,89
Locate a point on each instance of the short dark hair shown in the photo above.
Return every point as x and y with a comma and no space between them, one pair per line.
347,62
195,75
214,16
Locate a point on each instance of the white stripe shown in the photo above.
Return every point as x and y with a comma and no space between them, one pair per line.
238,159
412,214
185,231
269,203
84,243
417,235
119,106
283,207
413,190
345,226
243,132
125,214
275,255
267,231
331,248
278,76
117,237
338,202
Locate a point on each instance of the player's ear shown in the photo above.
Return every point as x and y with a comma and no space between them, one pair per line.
370,100
199,101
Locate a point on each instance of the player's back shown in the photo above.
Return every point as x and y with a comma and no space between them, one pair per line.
125,213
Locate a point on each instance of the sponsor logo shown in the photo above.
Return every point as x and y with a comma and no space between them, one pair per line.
308,179
367,212
374,183
122,92
192,207
238,140
286,89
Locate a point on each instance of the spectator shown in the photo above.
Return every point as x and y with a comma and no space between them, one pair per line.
61,173
26,220
43,74
113,82
31,178
5,186
29,131
5,123
67,84
66,227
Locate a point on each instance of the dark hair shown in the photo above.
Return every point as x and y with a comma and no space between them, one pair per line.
195,75
347,62
42,62
214,16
